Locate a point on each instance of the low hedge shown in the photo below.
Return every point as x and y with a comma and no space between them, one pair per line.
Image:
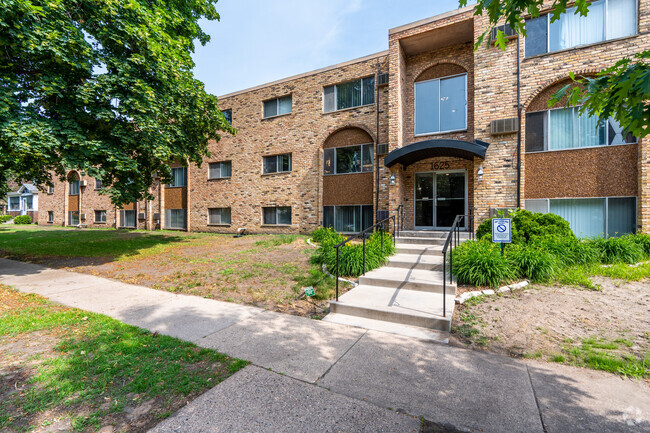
351,254
479,262
23,219
528,226
5,218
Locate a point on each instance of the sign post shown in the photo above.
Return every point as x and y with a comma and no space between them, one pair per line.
502,231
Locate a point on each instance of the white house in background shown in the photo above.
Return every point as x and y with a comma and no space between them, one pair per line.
23,201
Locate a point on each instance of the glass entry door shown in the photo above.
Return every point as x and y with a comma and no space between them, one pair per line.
439,197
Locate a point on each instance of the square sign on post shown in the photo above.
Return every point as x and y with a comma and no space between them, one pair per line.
501,232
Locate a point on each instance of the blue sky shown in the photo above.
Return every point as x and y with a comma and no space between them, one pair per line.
258,41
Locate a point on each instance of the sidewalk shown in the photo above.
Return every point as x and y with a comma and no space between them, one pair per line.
338,378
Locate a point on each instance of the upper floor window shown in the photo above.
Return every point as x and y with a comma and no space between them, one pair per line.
50,190
74,187
566,128
441,105
178,177
99,184
277,163
220,170
348,159
277,106
348,95
607,19
228,115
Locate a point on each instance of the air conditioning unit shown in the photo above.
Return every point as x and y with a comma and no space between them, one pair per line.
83,183
141,216
156,216
382,79
82,217
382,148
506,29
504,126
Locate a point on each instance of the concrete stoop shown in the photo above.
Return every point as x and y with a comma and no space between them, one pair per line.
406,295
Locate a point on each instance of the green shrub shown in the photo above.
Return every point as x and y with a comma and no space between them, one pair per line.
532,262
23,219
527,226
5,218
480,263
569,251
643,240
618,249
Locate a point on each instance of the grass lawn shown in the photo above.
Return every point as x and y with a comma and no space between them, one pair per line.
71,370
269,271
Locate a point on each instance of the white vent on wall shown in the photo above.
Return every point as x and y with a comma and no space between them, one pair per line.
382,148
382,79
504,126
83,183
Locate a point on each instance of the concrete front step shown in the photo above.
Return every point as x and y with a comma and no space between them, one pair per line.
440,234
404,307
390,327
411,240
416,261
418,249
407,279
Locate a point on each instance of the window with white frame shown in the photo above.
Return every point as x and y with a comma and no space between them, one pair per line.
220,170
127,218
441,105
100,216
175,219
590,217
348,159
50,216
219,216
348,219
566,128
278,215
74,187
351,94
14,203
73,218
607,19
277,163
179,177
277,106
29,202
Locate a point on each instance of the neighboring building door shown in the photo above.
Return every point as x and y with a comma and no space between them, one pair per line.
439,197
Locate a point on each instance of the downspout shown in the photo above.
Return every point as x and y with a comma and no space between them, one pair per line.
377,144
518,120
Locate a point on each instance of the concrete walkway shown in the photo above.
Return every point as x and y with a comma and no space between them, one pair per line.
339,378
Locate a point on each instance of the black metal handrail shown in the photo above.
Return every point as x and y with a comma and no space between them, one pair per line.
362,234
453,240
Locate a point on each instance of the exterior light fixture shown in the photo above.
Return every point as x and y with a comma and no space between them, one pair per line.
392,179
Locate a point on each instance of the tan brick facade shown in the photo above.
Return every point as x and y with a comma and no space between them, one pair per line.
432,48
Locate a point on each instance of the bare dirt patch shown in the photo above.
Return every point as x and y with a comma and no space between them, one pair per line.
545,321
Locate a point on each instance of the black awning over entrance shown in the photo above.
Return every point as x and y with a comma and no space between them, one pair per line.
420,150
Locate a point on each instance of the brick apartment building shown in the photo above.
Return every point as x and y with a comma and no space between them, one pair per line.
431,124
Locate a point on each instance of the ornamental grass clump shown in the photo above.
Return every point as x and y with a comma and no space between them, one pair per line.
622,249
532,262
569,251
479,263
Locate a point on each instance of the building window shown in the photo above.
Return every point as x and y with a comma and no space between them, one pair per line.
50,190
99,184
73,218
276,215
100,216
349,159
14,203
348,95
228,115
127,218
441,105
277,106
74,187
607,19
175,218
29,202
348,219
277,163
590,217
566,128
178,177
219,215
50,216
220,170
